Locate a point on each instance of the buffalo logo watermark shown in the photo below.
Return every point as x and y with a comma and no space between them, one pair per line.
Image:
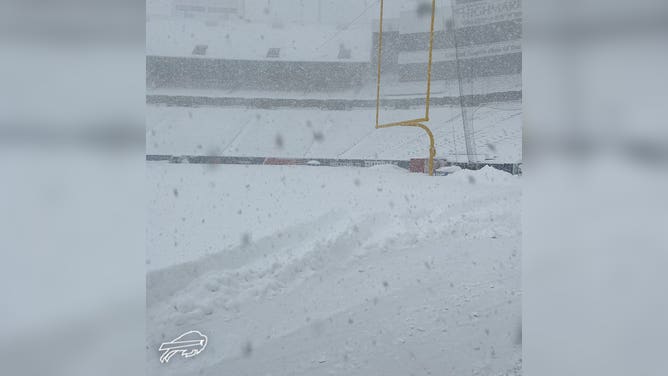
187,344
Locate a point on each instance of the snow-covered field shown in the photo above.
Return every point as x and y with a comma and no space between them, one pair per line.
298,270
314,133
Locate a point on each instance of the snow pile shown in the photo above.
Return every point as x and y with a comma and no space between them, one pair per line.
449,169
486,175
491,175
295,270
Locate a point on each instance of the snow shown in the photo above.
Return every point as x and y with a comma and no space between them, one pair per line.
449,169
388,168
486,174
345,134
299,270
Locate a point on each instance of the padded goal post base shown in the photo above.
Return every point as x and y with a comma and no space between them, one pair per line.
421,165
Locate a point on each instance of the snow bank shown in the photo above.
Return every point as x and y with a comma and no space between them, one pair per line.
389,169
486,175
449,169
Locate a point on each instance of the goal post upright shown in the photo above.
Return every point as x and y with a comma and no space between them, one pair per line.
413,122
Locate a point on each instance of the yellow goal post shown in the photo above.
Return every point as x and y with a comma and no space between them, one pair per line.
418,122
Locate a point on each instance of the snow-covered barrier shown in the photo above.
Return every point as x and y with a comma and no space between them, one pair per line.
418,165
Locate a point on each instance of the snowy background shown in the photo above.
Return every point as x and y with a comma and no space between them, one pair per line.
73,204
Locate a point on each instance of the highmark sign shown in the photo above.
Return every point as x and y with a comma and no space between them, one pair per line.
481,12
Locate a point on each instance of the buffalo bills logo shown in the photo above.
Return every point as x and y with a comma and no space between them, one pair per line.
187,344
